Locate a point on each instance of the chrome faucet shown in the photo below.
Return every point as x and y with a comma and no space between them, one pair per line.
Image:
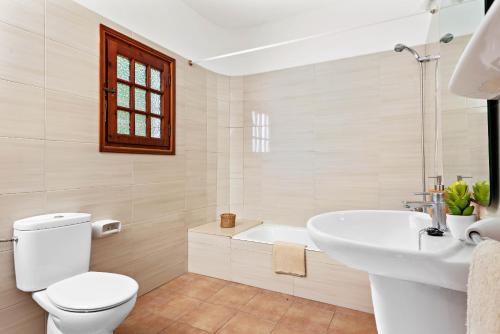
438,206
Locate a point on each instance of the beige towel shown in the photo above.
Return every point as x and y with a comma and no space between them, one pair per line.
483,304
289,259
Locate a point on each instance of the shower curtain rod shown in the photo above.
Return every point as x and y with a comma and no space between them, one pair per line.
301,39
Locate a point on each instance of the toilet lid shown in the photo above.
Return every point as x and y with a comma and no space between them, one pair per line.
92,291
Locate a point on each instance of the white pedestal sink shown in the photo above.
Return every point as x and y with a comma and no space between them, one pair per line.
414,291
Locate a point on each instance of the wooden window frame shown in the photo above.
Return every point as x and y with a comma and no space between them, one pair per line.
114,42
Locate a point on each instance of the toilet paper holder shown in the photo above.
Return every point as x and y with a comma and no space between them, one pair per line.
105,227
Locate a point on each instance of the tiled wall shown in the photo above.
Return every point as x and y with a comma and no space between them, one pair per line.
346,135
51,160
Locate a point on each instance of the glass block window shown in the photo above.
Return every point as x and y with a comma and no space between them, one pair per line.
138,99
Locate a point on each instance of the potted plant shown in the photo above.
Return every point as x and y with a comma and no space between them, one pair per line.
460,210
481,197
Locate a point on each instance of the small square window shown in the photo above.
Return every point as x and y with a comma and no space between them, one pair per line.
137,97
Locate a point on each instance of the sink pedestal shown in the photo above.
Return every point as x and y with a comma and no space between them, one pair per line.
415,308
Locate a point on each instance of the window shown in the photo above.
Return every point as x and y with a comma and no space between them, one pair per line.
137,97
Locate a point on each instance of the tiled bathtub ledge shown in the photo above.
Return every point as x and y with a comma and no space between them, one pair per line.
215,229
213,252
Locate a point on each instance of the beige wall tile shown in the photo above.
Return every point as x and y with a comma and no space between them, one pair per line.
71,70
101,202
356,123
223,108
71,117
22,110
154,200
24,317
223,140
22,165
28,14
196,179
236,113
77,165
196,217
18,206
223,87
236,88
212,133
16,64
196,138
155,169
236,192
72,24
209,255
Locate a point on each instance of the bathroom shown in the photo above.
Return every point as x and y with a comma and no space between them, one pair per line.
302,118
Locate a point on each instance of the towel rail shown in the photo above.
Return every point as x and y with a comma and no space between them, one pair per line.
476,237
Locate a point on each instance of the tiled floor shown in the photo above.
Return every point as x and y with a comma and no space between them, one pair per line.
195,304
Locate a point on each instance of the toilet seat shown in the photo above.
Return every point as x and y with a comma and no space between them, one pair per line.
92,292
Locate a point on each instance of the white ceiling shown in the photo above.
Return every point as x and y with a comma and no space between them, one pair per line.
240,37
232,14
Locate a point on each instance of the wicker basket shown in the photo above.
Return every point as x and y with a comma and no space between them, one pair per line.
227,220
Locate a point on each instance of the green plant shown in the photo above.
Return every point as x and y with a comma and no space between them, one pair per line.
481,193
458,199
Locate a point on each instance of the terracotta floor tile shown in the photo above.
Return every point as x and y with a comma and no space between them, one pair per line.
313,303
143,322
174,307
234,295
196,286
305,318
245,323
152,300
180,328
346,321
178,308
269,305
209,317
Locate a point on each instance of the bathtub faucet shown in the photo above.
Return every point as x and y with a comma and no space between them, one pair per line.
438,206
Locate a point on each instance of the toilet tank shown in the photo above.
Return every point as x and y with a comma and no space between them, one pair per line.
50,248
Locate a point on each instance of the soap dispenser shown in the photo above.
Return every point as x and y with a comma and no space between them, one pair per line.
437,188
461,177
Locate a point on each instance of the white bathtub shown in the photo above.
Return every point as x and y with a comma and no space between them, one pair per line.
270,233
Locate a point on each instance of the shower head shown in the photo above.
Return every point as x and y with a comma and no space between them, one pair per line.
447,38
400,47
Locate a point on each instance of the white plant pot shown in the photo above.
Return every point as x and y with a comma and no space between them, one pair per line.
458,224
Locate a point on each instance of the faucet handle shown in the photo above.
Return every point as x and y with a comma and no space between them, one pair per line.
422,194
461,177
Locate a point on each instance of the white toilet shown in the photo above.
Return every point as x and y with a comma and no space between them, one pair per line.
52,257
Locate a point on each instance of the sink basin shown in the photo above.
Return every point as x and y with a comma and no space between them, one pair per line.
408,284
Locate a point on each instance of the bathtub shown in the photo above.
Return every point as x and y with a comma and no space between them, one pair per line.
245,256
269,233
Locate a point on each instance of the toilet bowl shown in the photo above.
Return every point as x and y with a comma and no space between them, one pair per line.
89,303
51,258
